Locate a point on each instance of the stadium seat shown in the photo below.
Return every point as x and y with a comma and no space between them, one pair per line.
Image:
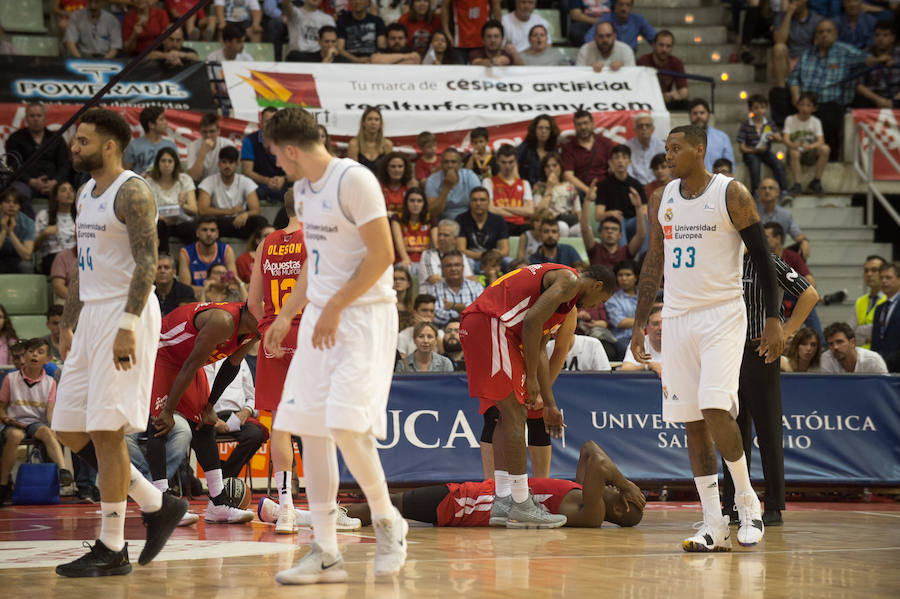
571,52
28,326
261,51
552,16
22,16
36,45
24,294
203,48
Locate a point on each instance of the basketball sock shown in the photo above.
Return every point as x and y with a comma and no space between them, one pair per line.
518,484
362,459
161,484
214,482
283,484
112,524
740,476
321,474
708,488
324,523
147,495
501,483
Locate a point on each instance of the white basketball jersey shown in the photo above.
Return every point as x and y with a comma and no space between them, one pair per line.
332,209
703,250
105,264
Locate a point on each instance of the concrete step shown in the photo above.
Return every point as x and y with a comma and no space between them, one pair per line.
829,217
693,53
679,4
834,313
842,271
838,178
845,252
825,285
830,201
861,234
681,15
707,34
733,73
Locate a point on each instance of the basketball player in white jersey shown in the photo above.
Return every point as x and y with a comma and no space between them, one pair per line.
336,389
697,225
104,392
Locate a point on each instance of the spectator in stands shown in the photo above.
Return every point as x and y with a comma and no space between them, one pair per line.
770,212
195,259
370,145
551,250
403,286
54,316
454,293
481,159
172,53
395,173
27,396
803,352
231,198
886,321
244,262
55,226
755,138
480,229
304,26
609,252
422,311
244,14
441,52
864,313
491,268
722,166
621,306
559,197
881,88
856,27
493,51
718,144
199,26
421,21
8,337
541,139
518,24
628,25
644,147
469,18
843,356
583,15
652,345
539,53
413,230
586,154
141,25
93,32
327,52
620,194
258,163
360,34
390,10
170,292
141,152
793,34
674,89
604,51
396,50
775,238
53,166
425,358
222,285
61,272
662,174
16,234
530,240
176,198
510,195
449,189
232,46
237,413
430,263
804,137
586,354
428,162
62,10
452,347
203,153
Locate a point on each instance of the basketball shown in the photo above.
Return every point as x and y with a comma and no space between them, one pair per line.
236,493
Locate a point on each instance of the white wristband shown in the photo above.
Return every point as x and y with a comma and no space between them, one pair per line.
128,321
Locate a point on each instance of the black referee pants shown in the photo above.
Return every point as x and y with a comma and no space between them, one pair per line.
759,397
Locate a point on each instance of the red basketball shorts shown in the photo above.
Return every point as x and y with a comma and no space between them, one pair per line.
192,401
271,371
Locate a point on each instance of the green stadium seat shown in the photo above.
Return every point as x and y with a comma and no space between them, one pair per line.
575,242
24,294
28,327
261,51
22,16
571,52
552,16
36,45
203,48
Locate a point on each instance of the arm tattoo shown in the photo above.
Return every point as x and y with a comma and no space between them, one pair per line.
73,305
136,206
741,206
651,272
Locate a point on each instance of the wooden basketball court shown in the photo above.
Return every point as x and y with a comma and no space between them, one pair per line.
822,551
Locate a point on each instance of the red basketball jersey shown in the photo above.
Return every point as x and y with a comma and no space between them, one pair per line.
509,194
470,16
469,504
509,298
176,340
281,259
416,239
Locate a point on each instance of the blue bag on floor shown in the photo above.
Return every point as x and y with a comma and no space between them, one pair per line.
36,484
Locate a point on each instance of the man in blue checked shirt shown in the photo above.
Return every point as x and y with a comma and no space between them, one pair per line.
628,25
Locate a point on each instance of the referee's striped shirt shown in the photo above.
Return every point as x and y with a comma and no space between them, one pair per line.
789,280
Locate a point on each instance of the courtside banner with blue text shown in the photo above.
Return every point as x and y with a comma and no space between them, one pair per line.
837,429
439,99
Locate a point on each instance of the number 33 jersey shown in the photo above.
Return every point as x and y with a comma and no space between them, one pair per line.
281,259
703,255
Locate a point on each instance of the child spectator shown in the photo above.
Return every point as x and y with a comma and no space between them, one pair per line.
8,337
428,161
491,263
530,240
661,172
723,166
176,199
26,409
557,195
481,161
440,51
421,22
370,145
54,317
55,226
755,138
425,358
244,262
804,137
413,230
395,173
403,285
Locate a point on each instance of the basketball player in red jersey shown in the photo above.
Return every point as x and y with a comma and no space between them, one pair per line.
504,334
193,336
279,259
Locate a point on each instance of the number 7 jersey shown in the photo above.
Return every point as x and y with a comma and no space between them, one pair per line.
281,259
703,257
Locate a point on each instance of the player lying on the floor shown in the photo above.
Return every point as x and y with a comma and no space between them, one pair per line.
600,492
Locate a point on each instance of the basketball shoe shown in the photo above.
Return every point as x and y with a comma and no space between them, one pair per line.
713,535
269,511
286,523
531,514
188,519
751,529
390,544
500,510
219,513
100,561
315,566
160,525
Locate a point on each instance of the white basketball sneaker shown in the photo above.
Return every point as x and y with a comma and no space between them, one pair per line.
713,535
316,566
390,544
225,514
751,529
269,511
188,519
286,522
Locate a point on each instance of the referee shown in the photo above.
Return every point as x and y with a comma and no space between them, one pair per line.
759,391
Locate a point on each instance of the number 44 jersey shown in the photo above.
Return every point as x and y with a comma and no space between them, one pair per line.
281,259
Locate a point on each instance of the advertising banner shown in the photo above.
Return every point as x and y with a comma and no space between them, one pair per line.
883,123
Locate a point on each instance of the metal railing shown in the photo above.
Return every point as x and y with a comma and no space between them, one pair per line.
866,171
704,78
